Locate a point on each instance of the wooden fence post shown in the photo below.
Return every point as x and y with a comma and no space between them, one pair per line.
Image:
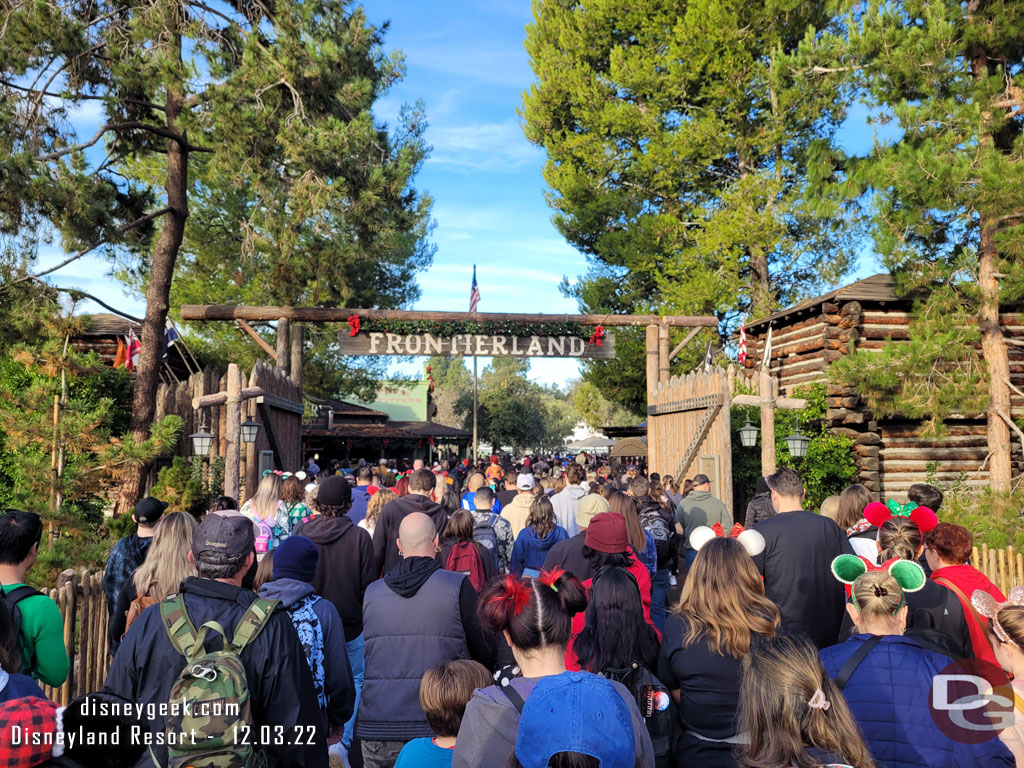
297,340
232,430
653,366
284,353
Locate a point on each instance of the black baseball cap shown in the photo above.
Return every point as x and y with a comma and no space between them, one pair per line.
223,539
701,480
149,510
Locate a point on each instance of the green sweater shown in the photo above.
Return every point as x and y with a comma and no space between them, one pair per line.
701,508
42,638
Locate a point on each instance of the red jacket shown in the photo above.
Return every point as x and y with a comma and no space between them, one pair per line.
963,580
643,580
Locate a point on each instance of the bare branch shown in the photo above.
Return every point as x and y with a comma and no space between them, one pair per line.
89,296
119,127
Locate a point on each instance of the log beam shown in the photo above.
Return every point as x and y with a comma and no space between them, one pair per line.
231,312
258,339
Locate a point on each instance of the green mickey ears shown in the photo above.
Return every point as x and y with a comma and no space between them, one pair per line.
849,568
908,574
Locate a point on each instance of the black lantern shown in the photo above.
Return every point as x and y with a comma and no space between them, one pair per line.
249,431
797,444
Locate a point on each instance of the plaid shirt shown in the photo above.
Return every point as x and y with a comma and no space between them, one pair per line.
32,717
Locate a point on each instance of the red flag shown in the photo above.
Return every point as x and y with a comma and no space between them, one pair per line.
134,350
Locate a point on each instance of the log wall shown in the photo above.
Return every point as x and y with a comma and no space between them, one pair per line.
890,455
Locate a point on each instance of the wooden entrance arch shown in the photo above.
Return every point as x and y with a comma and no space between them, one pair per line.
662,454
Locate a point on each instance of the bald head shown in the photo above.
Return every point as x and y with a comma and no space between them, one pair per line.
475,481
417,464
416,536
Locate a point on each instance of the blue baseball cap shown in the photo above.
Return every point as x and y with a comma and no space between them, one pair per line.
576,712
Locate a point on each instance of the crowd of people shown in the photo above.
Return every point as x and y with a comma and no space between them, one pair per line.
543,612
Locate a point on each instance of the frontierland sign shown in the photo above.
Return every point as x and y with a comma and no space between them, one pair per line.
467,345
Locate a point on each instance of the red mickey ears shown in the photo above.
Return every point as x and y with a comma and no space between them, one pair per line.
877,513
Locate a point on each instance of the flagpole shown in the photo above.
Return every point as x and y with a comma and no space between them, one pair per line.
476,452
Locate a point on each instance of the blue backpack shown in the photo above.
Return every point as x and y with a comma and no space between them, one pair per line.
311,635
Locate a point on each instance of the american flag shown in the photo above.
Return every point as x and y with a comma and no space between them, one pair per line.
474,294
743,340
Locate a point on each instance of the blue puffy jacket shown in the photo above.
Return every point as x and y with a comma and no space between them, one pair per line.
530,549
889,693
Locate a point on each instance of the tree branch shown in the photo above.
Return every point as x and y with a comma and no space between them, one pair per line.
118,127
89,296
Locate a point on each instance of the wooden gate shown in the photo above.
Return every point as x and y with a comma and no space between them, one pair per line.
688,429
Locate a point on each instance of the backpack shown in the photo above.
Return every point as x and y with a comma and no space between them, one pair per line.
135,609
264,537
652,521
653,701
483,533
9,606
465,558
217,711
311,635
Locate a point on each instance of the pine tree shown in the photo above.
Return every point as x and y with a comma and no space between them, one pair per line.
678,151
947,191
253,116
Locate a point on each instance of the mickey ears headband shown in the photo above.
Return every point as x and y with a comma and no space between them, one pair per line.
877,513
908,574
987,606
751,540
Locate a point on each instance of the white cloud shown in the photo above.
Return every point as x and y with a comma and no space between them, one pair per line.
493,146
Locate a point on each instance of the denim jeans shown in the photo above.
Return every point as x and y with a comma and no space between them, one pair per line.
659,597
381,754
354,649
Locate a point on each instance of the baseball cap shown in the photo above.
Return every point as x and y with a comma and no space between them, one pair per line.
149,510
590,505
607,533
592,720
701,480
525,482
334,491
223,539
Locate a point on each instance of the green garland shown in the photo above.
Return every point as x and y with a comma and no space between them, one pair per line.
448,328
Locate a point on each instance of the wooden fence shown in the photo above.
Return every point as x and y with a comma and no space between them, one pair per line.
1004,567
79,595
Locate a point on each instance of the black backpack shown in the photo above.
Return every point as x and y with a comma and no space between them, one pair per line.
12,619
654,702
654,522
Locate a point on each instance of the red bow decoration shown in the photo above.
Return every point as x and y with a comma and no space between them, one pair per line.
734,532
430,441
597,336
353,325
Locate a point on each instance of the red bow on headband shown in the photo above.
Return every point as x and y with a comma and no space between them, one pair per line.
734,532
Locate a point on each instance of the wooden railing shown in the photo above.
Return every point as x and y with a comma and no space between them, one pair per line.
79,595
1004,567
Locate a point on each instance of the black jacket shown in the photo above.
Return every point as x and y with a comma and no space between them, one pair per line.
568,554
759,509
280,684
345,568
385,535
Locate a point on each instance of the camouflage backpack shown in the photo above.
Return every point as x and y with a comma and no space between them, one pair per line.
209,722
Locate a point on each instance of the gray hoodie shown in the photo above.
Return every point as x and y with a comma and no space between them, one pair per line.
338,684
565,503
487,736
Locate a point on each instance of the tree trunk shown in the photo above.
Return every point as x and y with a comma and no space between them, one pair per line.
161,272
760,285
993,343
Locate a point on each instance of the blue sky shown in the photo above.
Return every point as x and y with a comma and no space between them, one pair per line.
467,63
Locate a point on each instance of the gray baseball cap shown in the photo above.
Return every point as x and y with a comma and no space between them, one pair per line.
222,539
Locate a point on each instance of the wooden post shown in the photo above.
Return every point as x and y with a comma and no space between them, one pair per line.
233,429
663,354
284,358
297,339
653,366
768,392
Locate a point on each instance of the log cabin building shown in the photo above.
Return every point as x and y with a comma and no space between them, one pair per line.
891,454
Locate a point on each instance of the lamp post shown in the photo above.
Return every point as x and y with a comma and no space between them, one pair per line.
748,435
250,429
